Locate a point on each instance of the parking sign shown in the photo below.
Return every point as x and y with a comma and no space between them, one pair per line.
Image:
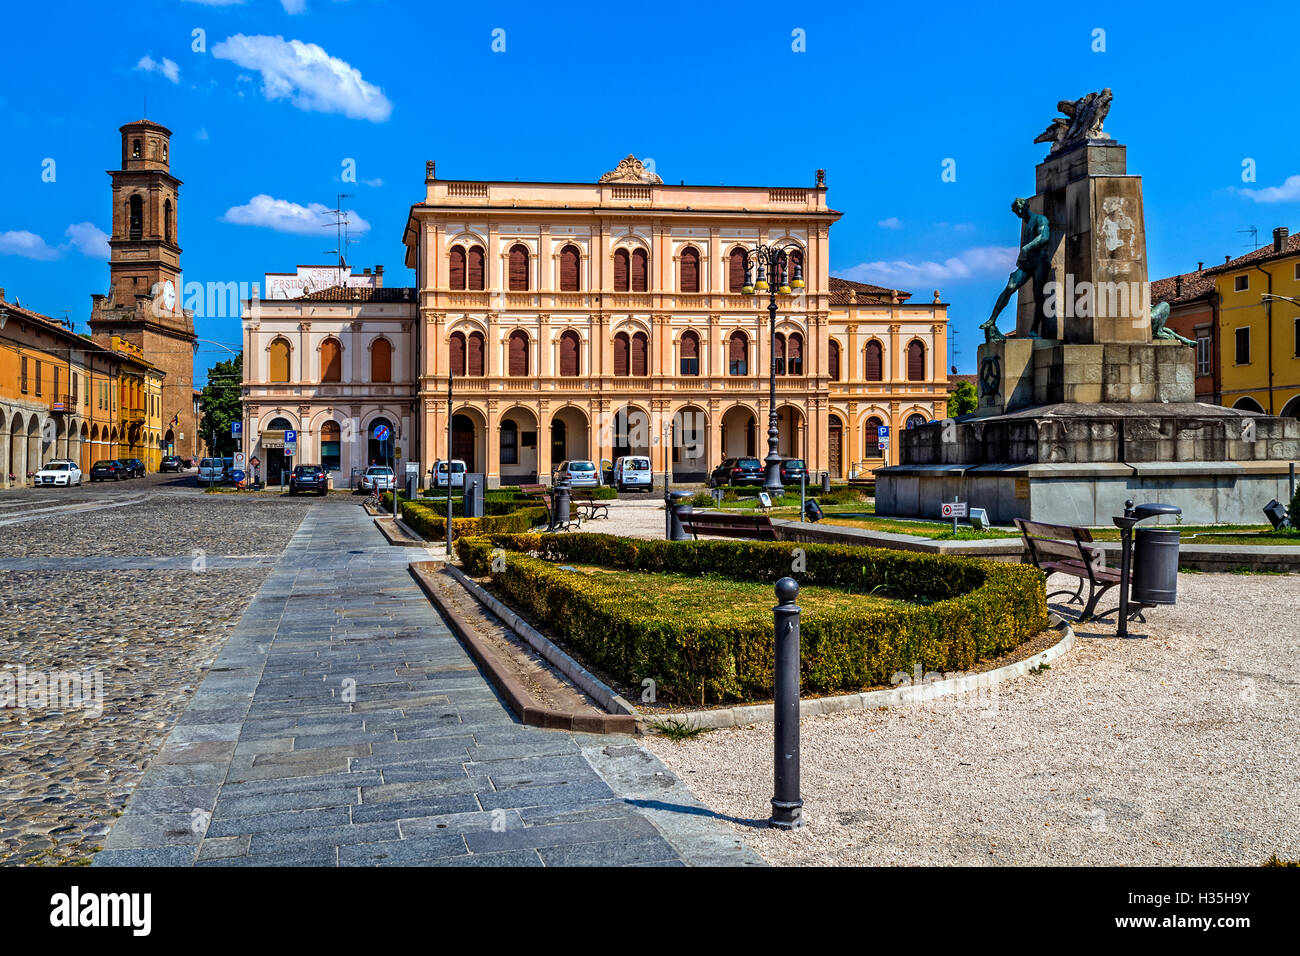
236,429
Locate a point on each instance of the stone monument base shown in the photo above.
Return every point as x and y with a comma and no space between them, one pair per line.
1077,464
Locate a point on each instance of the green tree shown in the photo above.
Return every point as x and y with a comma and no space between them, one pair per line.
963,401
221,405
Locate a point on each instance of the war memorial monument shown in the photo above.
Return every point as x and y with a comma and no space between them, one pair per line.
1091,400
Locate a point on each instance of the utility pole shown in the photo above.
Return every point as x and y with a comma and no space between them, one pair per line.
450,375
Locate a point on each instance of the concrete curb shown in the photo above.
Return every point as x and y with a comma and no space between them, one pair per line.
873,699
517,697
561,661
408,538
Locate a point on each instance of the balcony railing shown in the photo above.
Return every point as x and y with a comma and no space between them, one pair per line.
63,403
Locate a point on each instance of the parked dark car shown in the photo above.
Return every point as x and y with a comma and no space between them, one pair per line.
172,463
737,471
793,470
134,467
109,469
308,478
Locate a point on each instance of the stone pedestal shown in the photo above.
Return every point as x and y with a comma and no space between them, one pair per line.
1099,257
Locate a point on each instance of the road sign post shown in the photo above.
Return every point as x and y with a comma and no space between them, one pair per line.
954,509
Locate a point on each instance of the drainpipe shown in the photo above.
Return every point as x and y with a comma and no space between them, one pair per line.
1268,314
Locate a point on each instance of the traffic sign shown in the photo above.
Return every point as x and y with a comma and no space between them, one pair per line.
954,509
236,429
254,461
381,433
882,431
239,460
237,475
290,437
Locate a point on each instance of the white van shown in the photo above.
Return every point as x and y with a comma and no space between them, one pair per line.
212,470
633,471
439,470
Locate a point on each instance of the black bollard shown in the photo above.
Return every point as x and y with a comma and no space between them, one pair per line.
826,482
787,808
674,508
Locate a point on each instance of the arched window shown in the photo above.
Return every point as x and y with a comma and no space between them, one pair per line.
570,262
456,268
640,270
509,442
916,419
622,354
738,354
833,361
779,353
518,278
330,446
475,350
622,270
640,353
690,348
381,361
794,354
871,438
875,371
331,361
279,360
456,353
167,220
690,278
569,353
518,354
915,361
794,263
135,149
475,273
137,217
736,269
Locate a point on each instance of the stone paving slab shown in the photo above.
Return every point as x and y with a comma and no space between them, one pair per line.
344,725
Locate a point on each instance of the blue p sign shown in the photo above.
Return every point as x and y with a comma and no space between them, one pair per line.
236,429
290,437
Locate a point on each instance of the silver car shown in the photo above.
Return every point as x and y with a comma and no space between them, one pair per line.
581,474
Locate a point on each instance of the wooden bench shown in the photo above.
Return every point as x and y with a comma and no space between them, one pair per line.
1061,549
588,507
722,525
532,491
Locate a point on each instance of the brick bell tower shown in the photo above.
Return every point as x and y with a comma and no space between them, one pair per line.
143,304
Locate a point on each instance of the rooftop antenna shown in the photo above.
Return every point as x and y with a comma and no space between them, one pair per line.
341,232
67,322
1254,235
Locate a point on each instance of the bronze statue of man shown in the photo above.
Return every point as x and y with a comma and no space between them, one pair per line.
1034,262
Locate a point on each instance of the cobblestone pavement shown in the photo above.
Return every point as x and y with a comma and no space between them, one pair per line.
343,724
143,595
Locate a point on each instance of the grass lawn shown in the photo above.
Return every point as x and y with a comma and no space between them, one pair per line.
716,600
1216,534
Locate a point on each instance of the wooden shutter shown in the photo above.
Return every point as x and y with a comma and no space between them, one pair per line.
833,363
518,269
475,273
381,361
640,270
621,264
569,354
279,361
794,358
456,269
915,361
875,369
779,354
456,353
331,361
738,348
474,365
640,347
690,348
518,354
795,259
622,352
569,260
736,270
690,270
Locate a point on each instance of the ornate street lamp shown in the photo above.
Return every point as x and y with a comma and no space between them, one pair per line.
773,261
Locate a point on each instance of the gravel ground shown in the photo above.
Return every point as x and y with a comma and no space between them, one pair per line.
150,635
1176,750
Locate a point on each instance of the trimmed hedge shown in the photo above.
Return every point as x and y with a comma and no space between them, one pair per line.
432,525
970,610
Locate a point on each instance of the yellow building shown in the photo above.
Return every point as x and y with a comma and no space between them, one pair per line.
1260,336
139,405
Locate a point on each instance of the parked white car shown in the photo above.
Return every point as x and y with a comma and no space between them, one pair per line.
581,474
211,471
633,471
439,470
59,472
377,478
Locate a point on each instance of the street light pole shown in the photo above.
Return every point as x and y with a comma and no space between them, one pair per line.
772,260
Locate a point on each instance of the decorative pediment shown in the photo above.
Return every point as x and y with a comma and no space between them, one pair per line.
630,170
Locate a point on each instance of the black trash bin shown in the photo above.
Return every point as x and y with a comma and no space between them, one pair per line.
1155,566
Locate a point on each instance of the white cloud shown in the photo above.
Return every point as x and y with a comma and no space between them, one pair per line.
294,6
201,134
980,261
1289,191
218,3
373,183
893,222
88,239
28,245
163,67
307,76
285,216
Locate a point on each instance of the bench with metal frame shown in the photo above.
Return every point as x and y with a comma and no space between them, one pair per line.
587,505
721,525
1062,549
551,525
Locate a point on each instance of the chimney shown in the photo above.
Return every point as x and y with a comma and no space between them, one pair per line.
2,295
1227,259
379,277
1280,235
1178,286
1200,266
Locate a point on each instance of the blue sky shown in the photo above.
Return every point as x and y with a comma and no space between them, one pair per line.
284,91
